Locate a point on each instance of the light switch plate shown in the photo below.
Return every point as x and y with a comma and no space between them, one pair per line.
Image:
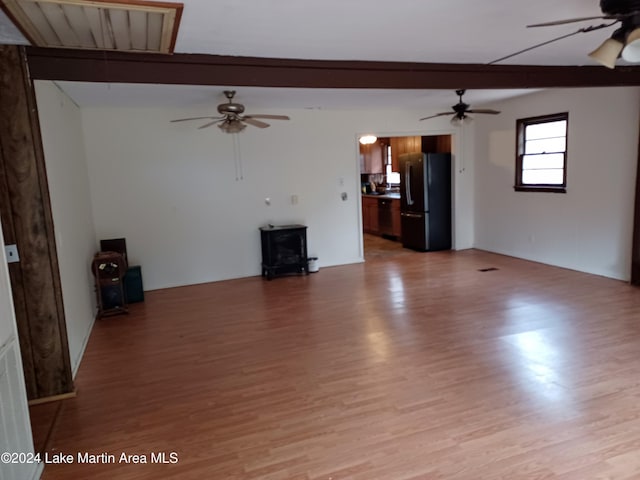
11,251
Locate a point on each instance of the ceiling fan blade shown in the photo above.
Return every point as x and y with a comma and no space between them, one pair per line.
437,115
590,28
209,124
269,117
569,20
254,122
484,110
195,118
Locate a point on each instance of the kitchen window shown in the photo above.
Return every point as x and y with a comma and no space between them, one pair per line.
541,161
393,178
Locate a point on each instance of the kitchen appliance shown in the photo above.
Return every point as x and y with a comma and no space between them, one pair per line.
425,200
385,216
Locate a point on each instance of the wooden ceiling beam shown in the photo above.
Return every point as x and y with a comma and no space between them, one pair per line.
197,69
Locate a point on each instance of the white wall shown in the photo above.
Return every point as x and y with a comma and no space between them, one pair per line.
171,190
590,227
60,123
7,327
15,429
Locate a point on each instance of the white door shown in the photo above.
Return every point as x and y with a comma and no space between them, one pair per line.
15,428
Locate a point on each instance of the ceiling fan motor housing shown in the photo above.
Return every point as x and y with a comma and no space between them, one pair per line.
235,108
619,7
461,109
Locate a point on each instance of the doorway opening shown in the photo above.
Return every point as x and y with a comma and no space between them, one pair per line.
382,195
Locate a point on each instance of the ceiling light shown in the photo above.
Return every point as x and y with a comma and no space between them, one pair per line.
368,139
232,126
607,53
123,25
461,120
631,50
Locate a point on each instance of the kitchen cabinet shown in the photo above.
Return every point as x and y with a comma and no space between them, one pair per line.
396,150
396,219
414,144
436,144
400,145
371,159
370,223
371,216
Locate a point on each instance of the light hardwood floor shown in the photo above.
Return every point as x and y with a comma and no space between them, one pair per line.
412,368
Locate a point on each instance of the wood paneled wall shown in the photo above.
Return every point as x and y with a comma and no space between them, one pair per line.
27,221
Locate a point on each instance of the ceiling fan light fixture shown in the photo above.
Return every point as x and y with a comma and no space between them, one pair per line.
631,50
607,53
232,126
368,139
458,120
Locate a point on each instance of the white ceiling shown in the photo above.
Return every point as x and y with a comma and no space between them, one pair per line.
451,31
455,31
9,34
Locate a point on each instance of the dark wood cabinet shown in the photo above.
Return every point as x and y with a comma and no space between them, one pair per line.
400,145
371,216
396,150
436,144
396,218
370,223
284,250
416,144
371,158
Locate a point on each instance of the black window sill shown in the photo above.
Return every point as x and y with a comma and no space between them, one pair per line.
532,188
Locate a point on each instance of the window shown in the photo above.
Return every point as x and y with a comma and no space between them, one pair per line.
393,178
541,162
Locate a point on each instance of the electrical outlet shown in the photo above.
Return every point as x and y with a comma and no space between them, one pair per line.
11,251
294,199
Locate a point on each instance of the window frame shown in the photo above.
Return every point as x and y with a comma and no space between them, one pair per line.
521,125
388,161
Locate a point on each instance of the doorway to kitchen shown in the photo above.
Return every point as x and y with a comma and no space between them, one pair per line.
381,192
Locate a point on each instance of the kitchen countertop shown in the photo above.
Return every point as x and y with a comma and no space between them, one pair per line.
389,196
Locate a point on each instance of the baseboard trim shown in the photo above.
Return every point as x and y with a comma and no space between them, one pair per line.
78,360
37,473
52,398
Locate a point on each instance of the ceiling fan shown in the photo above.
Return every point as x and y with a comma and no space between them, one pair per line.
624,42
232,119
460,111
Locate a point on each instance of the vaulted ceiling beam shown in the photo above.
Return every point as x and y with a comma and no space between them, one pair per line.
194,69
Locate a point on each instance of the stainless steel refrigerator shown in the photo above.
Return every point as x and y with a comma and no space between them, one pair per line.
425,195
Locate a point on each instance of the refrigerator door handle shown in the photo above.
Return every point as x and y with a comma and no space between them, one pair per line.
411,215
407,182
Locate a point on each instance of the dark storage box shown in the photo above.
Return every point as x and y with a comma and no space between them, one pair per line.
133,284
118,245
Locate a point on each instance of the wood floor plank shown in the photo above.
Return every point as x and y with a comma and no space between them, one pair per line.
411,366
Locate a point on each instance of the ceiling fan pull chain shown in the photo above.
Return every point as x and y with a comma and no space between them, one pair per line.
237,157
237,135
462,159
